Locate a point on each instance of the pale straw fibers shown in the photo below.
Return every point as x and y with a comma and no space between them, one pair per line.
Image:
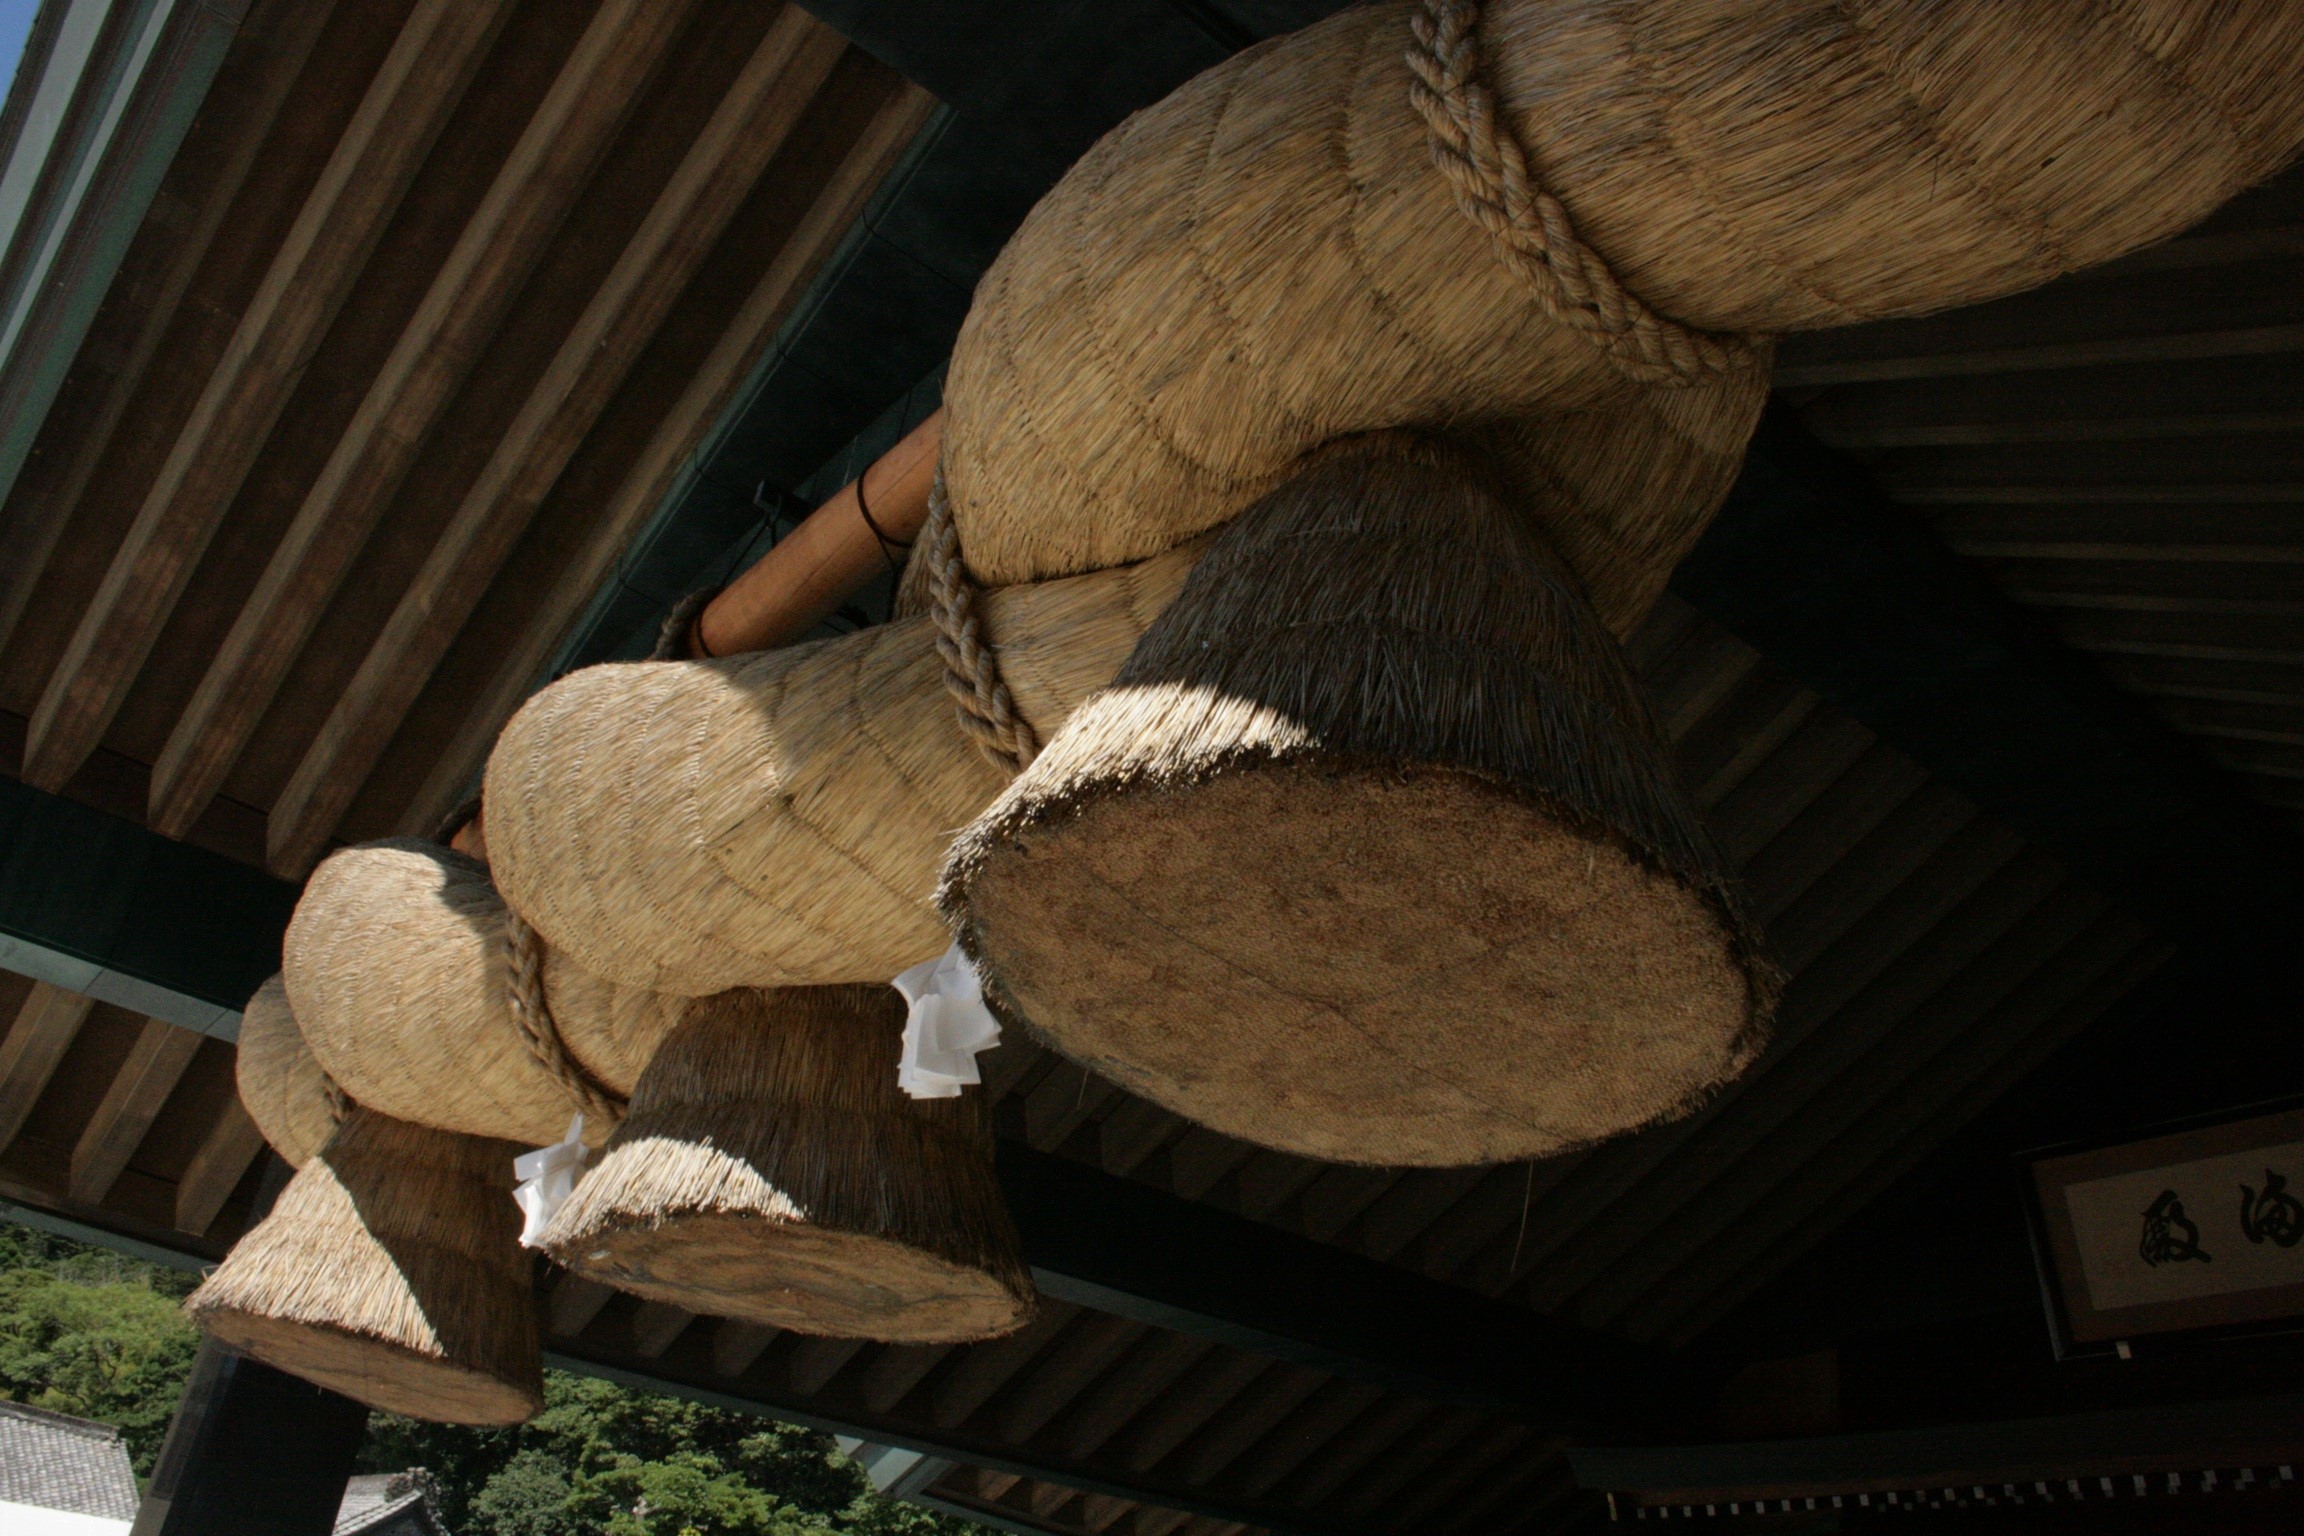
282,1086
770,1169
394,965
390,1270
779,818
1268,259
1372,851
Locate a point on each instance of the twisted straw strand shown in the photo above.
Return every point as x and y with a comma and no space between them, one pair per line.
971,667
1488,172
532,1017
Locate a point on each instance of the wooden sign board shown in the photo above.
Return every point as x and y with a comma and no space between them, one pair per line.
2198,1228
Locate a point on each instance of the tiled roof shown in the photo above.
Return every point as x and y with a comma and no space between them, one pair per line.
387,1504
54,1461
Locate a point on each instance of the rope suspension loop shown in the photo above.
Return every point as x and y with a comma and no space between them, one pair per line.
1488,171
532,1017
971,667
891,550
680,627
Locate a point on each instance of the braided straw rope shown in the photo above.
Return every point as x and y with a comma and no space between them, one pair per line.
679,630
532,1017
339,1102
971,667
1488,171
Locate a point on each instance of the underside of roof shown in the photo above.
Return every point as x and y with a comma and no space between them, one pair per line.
1990,681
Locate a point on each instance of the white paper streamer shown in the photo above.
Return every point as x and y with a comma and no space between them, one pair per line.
947,1025
547,1178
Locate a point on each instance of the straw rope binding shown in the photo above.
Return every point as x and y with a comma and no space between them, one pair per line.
679,629
1488,171
971,667
532,1017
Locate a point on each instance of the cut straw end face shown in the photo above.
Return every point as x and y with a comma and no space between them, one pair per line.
373,1371
389,1271
762,1261
770,1170
1362,963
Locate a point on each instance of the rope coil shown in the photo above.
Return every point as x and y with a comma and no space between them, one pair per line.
679,630
1488,171
971,667
532,1017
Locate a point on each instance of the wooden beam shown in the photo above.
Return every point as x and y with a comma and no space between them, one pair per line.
216,1169
2225,493
2111,429
1867,1160
115,894
281,38
1046,1498
551,164
895,1371
669,449
816,1361
2174,553
1810,564
655,1324
2238,341
155,1063
1062,1373
986,1367
1131,1251
44,1030
574,1302
736,1344
745,131
1861,1066
2185,1438
419,85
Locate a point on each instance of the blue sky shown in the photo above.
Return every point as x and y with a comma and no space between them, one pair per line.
15,21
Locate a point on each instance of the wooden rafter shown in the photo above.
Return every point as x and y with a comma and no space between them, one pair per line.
155,1064
286,34
423,78
216,1169
670,447
45,1027
550,165
746,129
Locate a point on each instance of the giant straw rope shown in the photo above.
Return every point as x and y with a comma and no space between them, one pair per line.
1488,171
971,667
532,1017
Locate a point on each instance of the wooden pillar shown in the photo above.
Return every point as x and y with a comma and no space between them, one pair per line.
252,1452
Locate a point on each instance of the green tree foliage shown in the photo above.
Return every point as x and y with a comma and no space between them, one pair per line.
605,1461
87,1332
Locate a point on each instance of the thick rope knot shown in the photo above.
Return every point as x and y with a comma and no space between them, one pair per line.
524,992
1488,172
971,667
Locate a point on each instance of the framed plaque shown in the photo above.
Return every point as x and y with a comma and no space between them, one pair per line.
2194,1228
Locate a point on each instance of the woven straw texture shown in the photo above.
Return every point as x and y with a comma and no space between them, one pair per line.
778,819
282,1085
394,964
1371,852
771,1170
390,1270
1269,258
